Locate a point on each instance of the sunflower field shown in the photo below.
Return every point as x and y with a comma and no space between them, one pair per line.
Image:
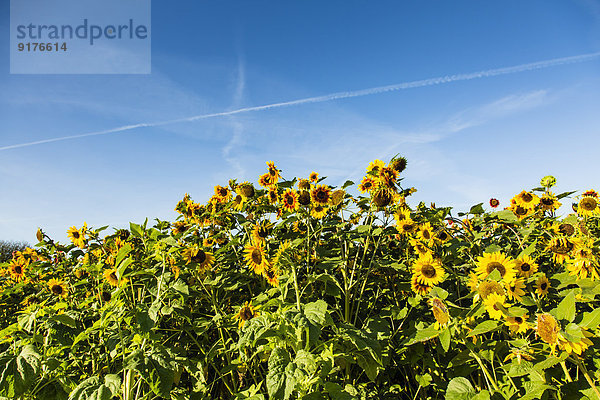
294,289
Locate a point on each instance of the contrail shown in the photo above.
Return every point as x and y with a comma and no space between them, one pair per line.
336,96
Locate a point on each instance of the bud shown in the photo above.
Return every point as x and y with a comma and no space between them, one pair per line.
398,164
548,181
39,235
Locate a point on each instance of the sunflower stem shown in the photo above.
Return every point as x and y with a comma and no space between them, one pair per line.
488,376
566,371
585,372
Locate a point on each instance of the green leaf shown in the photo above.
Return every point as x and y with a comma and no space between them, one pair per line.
460,388
123,251
424,380
136,230
278,361
347,183
65,320
483,327
566,308
445,339
92,389
590,319
316,312
17,373
477,209
506,216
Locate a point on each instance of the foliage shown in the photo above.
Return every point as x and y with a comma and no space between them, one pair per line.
8,247
299,290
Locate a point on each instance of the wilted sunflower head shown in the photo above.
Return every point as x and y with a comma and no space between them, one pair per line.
337,197
381,196
246,190
304,198
547,329
486,288
398,164
303,184
566,229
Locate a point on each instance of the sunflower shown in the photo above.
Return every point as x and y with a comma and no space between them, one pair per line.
419,247
303,184
401,214
515,291
261,231
486,288
440,313
290,200
77,236
583,268
16,270
381,196
542,285
209,242
58,288
266,180
425,233
222,194
273,171
495,305
313,177
337,197
406,226
110,276
246,313
375,166
576,347
560,248
547,329
273,196
526,199
496,261
318,211
238,202
245,189
441,236
388,177
320,194
428,270
194,255
588,206
418,287
366,184
494,203
549,202
271,275
517,324
179,227
520,211
256,258
526,266
398,164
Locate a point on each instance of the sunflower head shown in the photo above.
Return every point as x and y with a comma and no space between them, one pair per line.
495,305
245,189
290,200
526,266
320,194
496,261
381,196
246,313
337,197
318,211
58,288
517,324
548,181
428,270
547,329
313,177
542,285
256,258
304,197
366,184
419,287
587,206
303,184
494,203
486,288
398,164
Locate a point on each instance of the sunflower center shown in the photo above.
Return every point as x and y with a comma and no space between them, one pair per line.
428,271
496,265
17,269
289,200
262,232
113,276
223,192
57,289
525,267
408,227
200,257
426,234
246,314
547,201
566,229
256,256
76,235
518,320
588,204
544,286
527,197
322,196
442,235
520,210
106,296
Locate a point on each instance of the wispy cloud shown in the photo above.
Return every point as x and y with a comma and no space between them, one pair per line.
236,125
333,96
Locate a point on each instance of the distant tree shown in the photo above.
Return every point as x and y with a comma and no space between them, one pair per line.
7,248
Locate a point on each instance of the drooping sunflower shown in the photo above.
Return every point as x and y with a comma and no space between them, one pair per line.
549,202
583,268
577,347
58,288
547,328
290,200
526,199
428,270
318,211
256,257
16,270
245,189
485,288
222,194
398,164
495,305
419,247
366,184
77,236
337,197
520,211
588,206
388,177
110,276
440,313
246,313
496,261
382,196
418,287
271,275
198,257
303,184
238,202
542,284
261,231
179,227
560,248
517,324
320,194
526,266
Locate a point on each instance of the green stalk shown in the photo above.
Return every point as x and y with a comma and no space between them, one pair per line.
488,376
586,374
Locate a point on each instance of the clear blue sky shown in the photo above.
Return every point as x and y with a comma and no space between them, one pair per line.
466,141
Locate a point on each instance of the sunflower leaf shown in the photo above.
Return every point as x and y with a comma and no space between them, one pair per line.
566,308
484,327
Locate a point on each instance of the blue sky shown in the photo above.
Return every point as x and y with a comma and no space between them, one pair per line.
466,141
